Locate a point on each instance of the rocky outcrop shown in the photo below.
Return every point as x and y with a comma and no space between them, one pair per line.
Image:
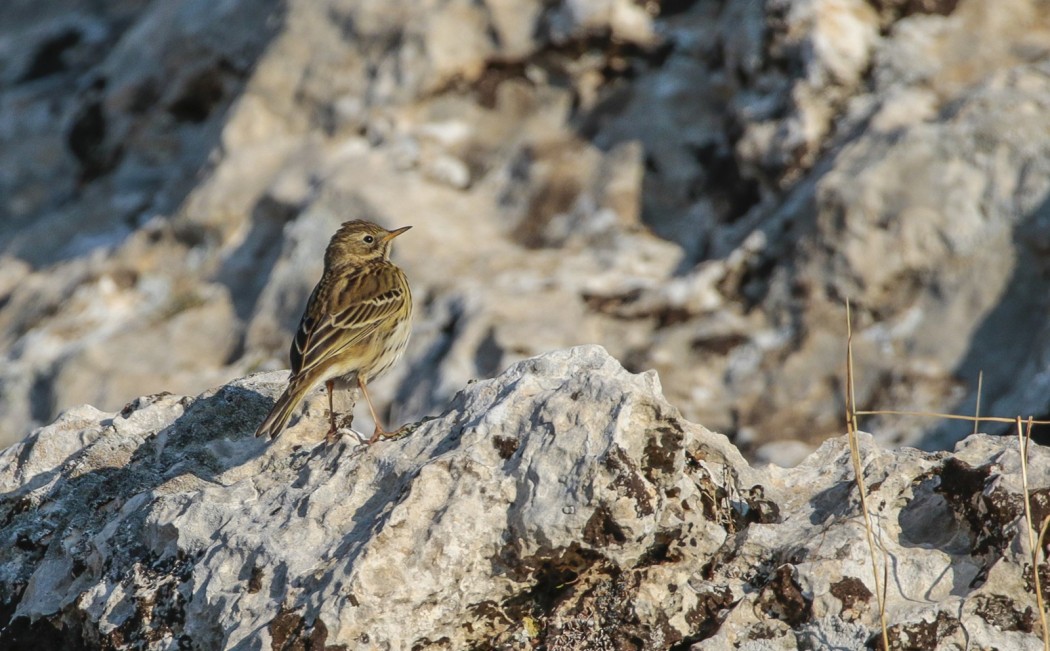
563,505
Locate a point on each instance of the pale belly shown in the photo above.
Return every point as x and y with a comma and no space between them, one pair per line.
393,348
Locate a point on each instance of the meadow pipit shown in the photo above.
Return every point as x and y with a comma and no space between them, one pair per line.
356,324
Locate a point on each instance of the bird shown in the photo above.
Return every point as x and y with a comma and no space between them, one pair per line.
356,324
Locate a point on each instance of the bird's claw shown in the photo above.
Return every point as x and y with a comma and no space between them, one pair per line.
405,430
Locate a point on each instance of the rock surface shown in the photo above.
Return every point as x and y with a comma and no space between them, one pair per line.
695,185
563,505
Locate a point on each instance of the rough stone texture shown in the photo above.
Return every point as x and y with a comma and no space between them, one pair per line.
563,505
696,185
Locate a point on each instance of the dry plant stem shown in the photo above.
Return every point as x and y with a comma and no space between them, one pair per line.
934,414
1024,435
1039,595
977,408
858,473
1043,533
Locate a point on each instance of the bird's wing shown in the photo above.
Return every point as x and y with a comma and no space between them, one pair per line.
306,326
344,311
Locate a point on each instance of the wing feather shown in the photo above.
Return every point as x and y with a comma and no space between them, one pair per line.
355,306
306,327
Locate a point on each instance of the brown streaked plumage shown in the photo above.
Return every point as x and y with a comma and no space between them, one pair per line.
356,324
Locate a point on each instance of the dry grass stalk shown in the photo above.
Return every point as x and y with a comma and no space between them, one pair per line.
1024,437
977,408
858,472
934,414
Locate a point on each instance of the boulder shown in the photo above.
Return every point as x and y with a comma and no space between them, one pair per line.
564,504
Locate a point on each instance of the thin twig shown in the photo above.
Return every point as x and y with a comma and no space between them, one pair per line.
851,396
1023,437
977,409
933,414
1042,530
854,448
1039,594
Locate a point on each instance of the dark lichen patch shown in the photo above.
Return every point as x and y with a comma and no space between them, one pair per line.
426,644
550,576
663,549
255,580
628,482
1040,502
602,530
961,480
918,636
505,446
1044,580
760,510
661,451
290,632
706,617
854,596
1002,613
782,598
990,515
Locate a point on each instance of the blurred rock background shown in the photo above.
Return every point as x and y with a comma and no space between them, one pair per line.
696,185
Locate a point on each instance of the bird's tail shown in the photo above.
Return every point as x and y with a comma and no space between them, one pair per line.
282,410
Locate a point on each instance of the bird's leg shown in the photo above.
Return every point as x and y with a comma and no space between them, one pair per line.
379,428
330,437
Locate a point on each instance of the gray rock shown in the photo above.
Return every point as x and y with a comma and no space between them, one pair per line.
564,503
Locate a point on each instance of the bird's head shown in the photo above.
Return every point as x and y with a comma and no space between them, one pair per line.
358,242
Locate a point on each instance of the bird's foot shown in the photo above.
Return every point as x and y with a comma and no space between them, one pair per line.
378,434
336,430
405,430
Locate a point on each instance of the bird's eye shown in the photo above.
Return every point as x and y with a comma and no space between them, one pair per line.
369,239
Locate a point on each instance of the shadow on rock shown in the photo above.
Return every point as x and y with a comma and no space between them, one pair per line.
64,528
1008,346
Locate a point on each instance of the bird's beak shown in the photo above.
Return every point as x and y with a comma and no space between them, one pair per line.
392,234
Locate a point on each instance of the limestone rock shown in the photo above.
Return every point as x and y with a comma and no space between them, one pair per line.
564,503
